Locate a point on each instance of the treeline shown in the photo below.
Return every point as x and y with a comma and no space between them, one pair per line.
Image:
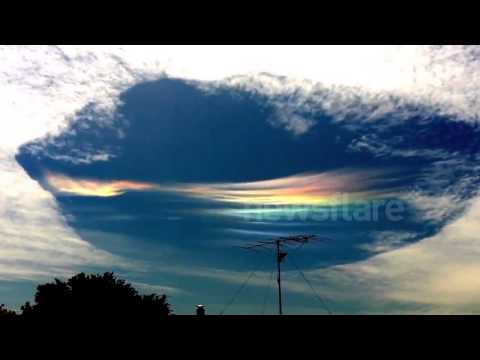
93,296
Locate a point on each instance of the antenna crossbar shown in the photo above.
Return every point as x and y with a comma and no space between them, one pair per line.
277,244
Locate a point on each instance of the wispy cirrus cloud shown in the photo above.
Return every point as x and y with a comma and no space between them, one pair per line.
87,187
439,274
313,189
35,242
327,188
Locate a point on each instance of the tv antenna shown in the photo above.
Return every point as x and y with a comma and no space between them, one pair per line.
278,245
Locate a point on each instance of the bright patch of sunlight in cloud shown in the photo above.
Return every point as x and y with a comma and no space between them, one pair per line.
84,187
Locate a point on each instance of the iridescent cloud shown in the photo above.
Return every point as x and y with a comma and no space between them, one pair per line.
88,187
326,188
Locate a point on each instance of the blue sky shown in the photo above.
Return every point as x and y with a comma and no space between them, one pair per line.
163,178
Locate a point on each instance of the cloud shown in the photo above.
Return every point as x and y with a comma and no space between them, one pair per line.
439,274
35,240
381,148
57,81
387,241
158,289
77,158
85,187
434,207
300,189
328,188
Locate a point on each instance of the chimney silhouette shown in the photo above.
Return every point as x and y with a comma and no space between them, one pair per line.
200,310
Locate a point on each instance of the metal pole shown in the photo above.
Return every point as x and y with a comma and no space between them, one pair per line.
279,280
277,244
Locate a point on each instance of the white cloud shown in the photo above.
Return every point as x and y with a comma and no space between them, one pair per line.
34,238
387,241
44,85
147,289
437,208
439,274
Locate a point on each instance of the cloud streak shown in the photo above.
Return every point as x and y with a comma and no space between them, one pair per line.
436,275
84,187
328,188
303,189
35,241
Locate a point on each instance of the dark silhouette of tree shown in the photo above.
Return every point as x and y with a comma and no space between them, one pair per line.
95,296
6,314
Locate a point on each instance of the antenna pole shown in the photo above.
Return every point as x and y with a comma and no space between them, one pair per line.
277,245
279,278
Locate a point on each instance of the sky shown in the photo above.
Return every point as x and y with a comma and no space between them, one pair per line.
160,162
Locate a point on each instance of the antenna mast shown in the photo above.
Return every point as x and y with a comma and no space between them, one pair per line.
280,256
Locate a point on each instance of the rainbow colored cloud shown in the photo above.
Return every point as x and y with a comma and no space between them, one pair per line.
304,189
325,188
88,187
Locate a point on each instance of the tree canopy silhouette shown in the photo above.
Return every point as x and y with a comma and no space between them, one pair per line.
95,296
5,313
